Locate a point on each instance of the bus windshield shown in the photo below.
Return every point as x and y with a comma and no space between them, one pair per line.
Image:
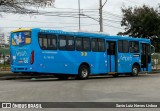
21,38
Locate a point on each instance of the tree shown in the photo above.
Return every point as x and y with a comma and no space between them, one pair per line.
142,22
23,6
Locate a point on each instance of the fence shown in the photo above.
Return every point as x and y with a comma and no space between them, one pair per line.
156,61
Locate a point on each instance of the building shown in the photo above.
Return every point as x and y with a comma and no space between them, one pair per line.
4,40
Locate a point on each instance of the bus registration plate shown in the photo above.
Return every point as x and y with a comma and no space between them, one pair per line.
20,61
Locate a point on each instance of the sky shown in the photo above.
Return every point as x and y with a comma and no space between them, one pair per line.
64,16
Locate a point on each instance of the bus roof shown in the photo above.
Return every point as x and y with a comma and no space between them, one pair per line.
21,29
85,34
90,34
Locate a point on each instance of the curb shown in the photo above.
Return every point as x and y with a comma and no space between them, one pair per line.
10,76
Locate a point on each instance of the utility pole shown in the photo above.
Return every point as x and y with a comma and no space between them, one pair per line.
79,14
100,14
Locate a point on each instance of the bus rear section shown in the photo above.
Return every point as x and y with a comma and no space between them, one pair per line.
22,55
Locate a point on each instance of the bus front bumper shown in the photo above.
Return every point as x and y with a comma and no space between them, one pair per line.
22,68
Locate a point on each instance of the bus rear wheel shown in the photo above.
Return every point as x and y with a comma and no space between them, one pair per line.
135,70
83,72
115,75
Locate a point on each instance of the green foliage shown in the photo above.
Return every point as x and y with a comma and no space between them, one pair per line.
23,6
141,22
4,51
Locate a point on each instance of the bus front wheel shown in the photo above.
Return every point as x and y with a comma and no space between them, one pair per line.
135,70
83,72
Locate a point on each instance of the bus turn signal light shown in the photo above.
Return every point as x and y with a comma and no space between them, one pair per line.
32,57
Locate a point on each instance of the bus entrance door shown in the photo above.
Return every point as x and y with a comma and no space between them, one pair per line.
145,56
111,56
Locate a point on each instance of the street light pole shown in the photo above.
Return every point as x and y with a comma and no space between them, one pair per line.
79,15
100,14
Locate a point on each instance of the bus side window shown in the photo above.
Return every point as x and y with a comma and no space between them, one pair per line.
52,42
101,45
120,46
42,39
44,44
134,46
123,46
62,42
70,43
79,44
86,44
94,44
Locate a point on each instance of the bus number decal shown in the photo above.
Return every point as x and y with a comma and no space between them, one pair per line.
84,53
48,57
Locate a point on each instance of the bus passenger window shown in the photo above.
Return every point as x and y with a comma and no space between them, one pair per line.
79,44
86,44
94,45
120,46
42,39
134,46
62,43
101,45
70,43
123,46
44,44
52,42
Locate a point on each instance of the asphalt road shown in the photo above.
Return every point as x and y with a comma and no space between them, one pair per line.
144,88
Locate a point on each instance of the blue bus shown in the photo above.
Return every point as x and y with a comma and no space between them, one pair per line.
78,54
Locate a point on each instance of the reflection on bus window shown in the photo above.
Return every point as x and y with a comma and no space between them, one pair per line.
134,46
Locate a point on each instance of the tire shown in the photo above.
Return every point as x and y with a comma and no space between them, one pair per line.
83,72
115,75
135,70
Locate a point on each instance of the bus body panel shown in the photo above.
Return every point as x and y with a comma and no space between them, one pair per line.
69,62
126,61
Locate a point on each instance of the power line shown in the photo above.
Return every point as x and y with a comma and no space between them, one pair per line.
112,26
132,2
112,14
74,9
112,20
37,21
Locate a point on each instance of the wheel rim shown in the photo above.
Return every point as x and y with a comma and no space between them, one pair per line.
135,70
84,72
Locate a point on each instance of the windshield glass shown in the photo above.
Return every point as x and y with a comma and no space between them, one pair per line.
21,38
